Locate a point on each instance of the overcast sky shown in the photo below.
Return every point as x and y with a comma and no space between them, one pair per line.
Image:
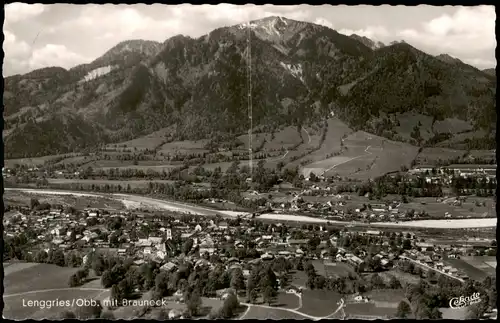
67,35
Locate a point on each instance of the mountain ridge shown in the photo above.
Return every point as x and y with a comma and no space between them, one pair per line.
199,84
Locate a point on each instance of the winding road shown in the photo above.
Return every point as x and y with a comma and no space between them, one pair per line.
308,136
271,159
102,290
294,311
346,161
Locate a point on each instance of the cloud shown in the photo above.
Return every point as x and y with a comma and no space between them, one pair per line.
465,34
55,55
88,31
20,57
378,33
323,22
15,12
14,47
17,53
120,23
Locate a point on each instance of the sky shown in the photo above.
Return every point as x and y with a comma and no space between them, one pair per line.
66,35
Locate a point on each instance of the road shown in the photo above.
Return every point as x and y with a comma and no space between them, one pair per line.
351,159
308,136
287,151
135,201
102,290
431,268
295,311
278,158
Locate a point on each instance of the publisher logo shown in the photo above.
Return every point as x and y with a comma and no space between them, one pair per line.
461,302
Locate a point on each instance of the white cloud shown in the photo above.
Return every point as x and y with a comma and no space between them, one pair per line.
17,53
17,11
378,33
120,23
55,55
14,47
469,31
20,57
323,22
90,30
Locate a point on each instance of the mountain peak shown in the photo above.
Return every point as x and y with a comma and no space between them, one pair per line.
134,45
368,42
490,71
448,59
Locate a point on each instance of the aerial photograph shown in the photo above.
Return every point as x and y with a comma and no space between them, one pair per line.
238,162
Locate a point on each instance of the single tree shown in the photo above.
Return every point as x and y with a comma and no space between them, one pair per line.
237,280
404,310
88,312
269,295
67,314
194,302
74,281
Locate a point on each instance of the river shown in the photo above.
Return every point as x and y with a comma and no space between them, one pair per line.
135,201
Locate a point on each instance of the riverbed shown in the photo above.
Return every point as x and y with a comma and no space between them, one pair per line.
135,201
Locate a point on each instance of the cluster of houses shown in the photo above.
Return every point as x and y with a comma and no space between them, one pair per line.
444,174
430,256
70,231
335,209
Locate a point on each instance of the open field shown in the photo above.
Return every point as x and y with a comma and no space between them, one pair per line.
156,165
123,183
339,269
438,209
483,153
14,308
286,300
13,267
36,277
366,156
25,282
452,125
454,313
432,155
368,309
20,197
186,146
128,312
336,129
399,275
319,302
376,156
460,137
387,298
484,263
80,160
264,313
408,120
257,139
271,162
186,208
146,142
299,278
474,268
31,162
285,138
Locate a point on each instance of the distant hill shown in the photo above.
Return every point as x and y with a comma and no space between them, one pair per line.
490,71
301,72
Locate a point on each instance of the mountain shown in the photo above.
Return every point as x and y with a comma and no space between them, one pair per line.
368,42
449,59
300,71
490,71
400,78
